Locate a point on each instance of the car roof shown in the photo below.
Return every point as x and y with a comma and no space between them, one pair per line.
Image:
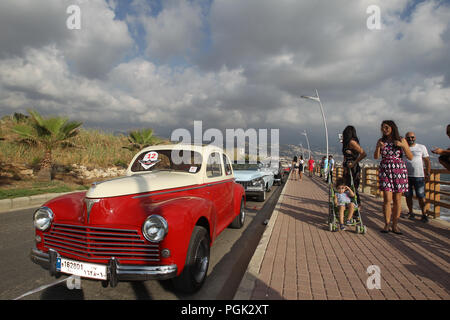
203,149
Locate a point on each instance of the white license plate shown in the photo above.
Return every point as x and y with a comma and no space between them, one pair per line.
82,269
254,189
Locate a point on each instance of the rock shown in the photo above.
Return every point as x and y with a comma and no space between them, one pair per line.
26,172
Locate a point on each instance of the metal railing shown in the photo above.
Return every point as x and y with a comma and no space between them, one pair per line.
433,193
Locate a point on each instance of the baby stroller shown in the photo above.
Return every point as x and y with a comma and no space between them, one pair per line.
333,212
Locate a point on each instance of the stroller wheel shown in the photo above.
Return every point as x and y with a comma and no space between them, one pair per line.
361,229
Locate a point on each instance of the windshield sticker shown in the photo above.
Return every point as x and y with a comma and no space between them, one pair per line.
149,160
193,169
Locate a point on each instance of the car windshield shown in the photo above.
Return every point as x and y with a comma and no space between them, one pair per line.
246,166
168,160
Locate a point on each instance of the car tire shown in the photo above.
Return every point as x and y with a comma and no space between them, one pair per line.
238,222
195,270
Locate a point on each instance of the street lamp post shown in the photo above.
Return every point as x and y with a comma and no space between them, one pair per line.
307,141
317,98
303,153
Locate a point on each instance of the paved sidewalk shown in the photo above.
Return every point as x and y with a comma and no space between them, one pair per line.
298,258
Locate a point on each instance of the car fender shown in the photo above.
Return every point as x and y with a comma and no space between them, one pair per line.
182,215
239,194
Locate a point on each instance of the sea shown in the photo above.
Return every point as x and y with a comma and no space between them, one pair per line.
445,213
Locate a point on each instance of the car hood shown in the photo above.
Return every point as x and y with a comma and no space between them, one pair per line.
140,183
247,175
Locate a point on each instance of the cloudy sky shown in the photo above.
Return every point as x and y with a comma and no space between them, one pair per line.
231,64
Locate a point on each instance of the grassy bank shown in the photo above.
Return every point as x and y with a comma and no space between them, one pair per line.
92,148
32,142
31,188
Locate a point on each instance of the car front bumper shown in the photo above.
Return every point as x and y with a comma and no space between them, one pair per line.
116,271
253,192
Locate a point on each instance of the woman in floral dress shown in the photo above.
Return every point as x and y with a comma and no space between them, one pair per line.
392,172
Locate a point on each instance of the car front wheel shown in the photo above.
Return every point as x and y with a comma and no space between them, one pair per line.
197,262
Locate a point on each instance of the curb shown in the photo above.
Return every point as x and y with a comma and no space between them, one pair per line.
248,281
7,205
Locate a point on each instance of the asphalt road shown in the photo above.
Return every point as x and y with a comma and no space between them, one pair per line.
230,255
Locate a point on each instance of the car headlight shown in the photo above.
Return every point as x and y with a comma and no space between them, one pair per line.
155,228
43,218
258,182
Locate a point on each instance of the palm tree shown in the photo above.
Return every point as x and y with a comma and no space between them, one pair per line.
48,133
140,139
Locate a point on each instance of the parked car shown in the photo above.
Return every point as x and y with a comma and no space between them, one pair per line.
157,222
255,180
277,170
286,168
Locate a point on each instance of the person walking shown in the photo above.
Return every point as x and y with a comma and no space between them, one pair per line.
330,168
322,166
353,154
392,173
444,155
294,168
416,175
311,166
325,168
301,164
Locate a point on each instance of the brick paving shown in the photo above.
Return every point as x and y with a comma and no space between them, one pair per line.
301,259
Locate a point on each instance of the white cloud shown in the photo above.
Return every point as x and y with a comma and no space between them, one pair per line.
101,43
233,64
175,32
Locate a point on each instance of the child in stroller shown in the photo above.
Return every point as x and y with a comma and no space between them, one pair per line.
343,200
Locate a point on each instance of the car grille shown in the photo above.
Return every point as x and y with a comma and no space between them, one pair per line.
245,184
95,243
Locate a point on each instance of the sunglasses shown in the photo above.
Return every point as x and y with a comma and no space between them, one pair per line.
410,138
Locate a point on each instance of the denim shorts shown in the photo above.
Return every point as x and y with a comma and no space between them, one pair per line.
418,184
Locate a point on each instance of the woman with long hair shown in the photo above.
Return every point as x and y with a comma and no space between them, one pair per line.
301,164
392,173
294,168
353,154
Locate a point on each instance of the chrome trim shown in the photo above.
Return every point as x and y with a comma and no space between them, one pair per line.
89,204
40,258
99,243
116,271
164,224
185,189
94,227
51,216
134,272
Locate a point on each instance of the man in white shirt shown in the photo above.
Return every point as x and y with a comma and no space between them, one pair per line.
416,175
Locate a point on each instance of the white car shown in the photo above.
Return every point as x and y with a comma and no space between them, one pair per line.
255,179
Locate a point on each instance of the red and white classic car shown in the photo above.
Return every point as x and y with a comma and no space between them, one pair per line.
157,222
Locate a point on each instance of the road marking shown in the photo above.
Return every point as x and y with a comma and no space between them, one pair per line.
43,288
